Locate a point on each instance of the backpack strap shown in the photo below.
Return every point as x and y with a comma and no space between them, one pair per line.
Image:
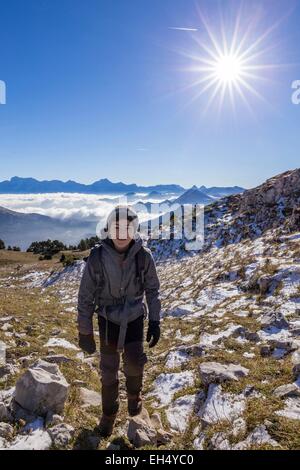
140,263
99,273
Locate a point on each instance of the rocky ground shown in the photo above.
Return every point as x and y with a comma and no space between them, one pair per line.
225,374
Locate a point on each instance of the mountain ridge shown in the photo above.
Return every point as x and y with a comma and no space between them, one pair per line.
19,185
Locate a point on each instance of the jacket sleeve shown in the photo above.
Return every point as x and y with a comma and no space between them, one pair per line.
86,297
152,289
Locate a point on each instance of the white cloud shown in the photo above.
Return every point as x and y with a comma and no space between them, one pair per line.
63,205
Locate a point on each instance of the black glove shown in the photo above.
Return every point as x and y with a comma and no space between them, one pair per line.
153,333
87,343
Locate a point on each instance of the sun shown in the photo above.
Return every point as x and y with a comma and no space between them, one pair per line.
230,63
228,69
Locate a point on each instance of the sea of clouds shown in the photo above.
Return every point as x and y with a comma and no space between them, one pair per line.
66,206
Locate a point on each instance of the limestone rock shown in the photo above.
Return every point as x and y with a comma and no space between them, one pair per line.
199,442
156,421
61,434
275,319
42,388
265,283
220,406
291,409
214,372
57,359
4,412
6,430
166,385
296,362
163,437
6,370
219,441
3,443
259,436
53,419
287,390
38,440
89,397
179,412
140,430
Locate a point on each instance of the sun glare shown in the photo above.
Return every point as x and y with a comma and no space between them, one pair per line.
230,62
228,69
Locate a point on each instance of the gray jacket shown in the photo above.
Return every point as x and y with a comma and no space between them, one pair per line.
119,282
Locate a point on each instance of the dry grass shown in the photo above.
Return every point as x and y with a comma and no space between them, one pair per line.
36,314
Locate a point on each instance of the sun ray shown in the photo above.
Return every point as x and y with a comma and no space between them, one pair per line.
213,54
244,99
208,86
253,90
236,30
209,32
212,97
264,36
230,62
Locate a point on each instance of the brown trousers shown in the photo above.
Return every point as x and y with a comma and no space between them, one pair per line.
133,357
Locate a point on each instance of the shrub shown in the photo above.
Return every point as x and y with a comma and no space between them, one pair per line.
88,243
68,259
48,247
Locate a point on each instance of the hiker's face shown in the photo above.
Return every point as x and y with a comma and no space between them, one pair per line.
121,233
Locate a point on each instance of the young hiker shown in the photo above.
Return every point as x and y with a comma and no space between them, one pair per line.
117,275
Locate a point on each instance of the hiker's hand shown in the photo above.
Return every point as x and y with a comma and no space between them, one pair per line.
153,333
87,343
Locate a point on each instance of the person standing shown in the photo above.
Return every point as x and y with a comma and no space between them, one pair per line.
118,274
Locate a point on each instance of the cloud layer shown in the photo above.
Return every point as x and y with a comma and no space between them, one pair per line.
65,206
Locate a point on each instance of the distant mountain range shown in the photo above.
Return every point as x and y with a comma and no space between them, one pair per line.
218,192
21,229
17,185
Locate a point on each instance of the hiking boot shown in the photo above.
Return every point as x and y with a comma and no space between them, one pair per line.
106,425
135,404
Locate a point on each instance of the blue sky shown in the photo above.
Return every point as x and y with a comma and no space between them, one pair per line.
100,88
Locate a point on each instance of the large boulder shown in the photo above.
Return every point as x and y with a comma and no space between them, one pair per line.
42,388
214,372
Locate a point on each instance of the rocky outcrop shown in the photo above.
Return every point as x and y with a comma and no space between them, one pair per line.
274,204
